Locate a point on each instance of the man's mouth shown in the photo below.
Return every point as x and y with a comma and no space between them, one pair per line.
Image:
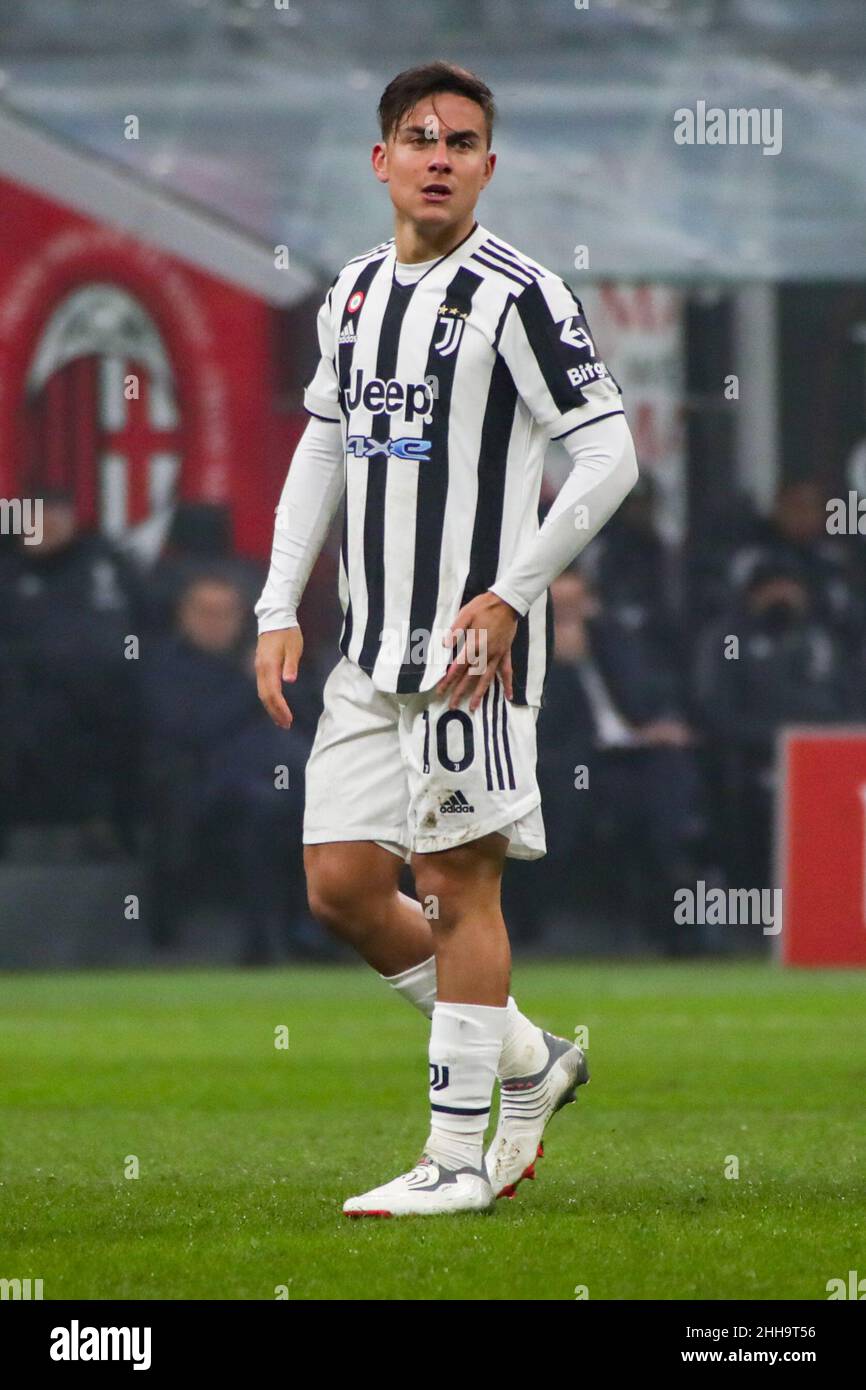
436,192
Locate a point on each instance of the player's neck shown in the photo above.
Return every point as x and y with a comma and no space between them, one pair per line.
414,243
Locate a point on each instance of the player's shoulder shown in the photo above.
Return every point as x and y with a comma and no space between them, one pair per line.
525,278
355,264
347,276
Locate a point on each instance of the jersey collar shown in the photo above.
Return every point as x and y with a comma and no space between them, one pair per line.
456,256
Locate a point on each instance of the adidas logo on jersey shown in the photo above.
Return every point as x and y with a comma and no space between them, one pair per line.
454,804
347,334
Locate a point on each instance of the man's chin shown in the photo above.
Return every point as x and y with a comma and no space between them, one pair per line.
432,214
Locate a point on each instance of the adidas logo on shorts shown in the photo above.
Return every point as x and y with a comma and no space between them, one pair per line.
456,802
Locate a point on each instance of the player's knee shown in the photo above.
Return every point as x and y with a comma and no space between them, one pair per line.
452,894
336,896
468,875
431,881
328,900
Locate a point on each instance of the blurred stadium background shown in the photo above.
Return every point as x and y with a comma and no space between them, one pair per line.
179,182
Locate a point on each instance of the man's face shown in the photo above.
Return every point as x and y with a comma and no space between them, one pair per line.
211,617
573,604
779,593
573,599
800,512
59,527
442,141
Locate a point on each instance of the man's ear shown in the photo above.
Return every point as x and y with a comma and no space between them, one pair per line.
379,160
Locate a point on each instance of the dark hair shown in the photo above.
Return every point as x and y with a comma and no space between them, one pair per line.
408,87
195,576
767,569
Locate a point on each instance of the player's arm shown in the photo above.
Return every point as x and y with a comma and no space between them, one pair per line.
551,353
545,342
604,472
309,499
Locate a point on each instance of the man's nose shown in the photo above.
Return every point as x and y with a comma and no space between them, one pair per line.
439,155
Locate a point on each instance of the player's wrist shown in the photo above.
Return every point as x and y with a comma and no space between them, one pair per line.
512,612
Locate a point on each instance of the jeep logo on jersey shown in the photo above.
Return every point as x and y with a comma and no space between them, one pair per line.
410,399
453,321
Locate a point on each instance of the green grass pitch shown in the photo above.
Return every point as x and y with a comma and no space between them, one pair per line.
246,1151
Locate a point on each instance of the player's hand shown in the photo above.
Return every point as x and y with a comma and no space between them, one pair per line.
278,655
666,733
493,623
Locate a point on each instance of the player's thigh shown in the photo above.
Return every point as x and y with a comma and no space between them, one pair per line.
349,878
356,786
467,877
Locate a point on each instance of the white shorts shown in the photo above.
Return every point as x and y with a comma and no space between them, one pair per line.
407,773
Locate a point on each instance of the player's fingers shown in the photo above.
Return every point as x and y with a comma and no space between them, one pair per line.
463,686
507,673
458,665
455,639
271,695
279,711
483,684
292,654
449,677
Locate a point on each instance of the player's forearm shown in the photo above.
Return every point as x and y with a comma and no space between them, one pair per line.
309,499
604,472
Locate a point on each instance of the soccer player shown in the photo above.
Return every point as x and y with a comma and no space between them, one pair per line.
449,359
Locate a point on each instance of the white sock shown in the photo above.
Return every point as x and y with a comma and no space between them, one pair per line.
417,984
465,1043
524,1051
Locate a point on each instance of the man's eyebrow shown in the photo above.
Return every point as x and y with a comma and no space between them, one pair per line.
455,134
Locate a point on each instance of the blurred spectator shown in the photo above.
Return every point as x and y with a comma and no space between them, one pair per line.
211,770
199,538
788,667
629,565
716,535
795,536
613,706
67,725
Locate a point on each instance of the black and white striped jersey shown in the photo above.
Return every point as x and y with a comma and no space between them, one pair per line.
447,390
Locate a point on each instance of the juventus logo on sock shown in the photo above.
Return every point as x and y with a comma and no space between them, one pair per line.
439,1076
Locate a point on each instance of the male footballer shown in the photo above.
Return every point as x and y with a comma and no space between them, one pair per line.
449,360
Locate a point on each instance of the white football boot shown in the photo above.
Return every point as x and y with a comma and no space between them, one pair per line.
428,1190
526,1104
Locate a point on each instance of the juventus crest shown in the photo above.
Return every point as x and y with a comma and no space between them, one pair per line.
452,318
